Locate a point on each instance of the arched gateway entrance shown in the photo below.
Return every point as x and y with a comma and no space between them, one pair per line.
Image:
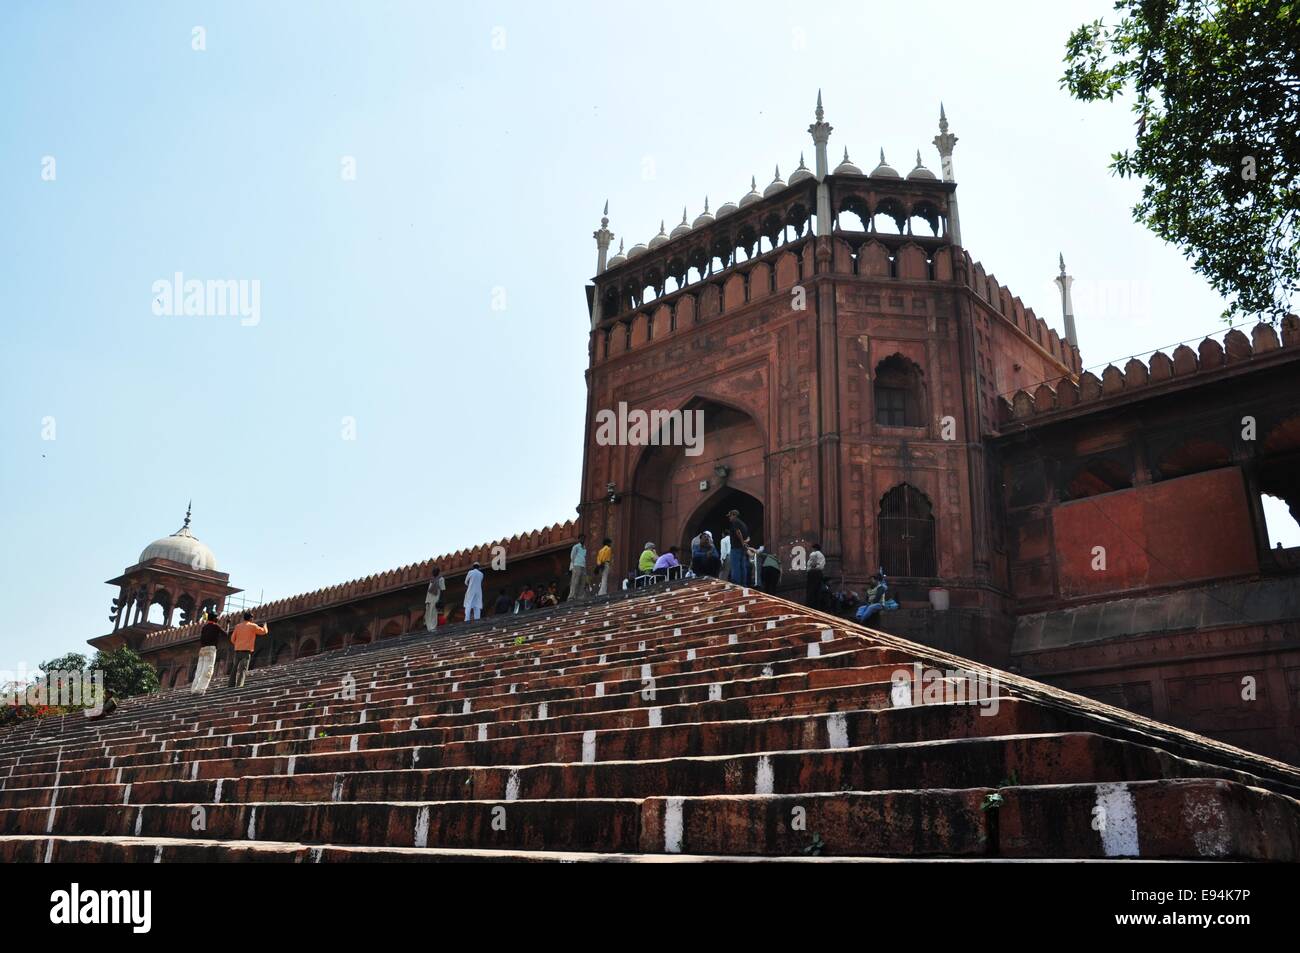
676,495
712,516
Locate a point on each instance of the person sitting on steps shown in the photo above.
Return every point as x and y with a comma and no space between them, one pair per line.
877,599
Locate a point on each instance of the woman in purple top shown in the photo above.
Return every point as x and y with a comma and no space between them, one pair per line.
666,562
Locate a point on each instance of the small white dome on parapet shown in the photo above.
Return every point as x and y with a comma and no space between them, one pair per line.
752,196
681,229
846,167
802,173
705,217
885,170
618,258
776,185
920,172
660,238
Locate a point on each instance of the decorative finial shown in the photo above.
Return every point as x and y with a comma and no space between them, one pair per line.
604,218
683,214
846,153
188,506
944,142
753,183
706,203
882,157
620,246
918,158
820,130
1063,282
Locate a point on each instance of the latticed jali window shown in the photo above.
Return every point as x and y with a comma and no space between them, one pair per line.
906,528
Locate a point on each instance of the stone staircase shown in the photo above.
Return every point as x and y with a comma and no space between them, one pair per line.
697,721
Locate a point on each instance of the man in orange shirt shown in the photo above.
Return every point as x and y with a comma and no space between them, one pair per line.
244,637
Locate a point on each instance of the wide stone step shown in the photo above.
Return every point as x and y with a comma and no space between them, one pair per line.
586,715
393,749
982,762
1189,819
414,652
332,716
163,850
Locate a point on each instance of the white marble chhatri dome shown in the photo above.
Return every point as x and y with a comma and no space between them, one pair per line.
182,547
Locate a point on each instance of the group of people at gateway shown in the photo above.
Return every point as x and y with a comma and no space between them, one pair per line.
731,558
529,596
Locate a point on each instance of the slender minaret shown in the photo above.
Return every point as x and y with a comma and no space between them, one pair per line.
944,143
821,134
1063,281
603,237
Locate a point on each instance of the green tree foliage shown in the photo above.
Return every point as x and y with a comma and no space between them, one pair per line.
1216,87
72,662
124,671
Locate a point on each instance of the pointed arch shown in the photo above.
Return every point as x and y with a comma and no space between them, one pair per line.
899,392
906,533
668,483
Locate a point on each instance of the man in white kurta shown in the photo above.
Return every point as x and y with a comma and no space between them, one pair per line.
474,593
432,596
578,570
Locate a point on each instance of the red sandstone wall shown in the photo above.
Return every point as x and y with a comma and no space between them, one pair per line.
875,323
1185,530
1009,361
1185,680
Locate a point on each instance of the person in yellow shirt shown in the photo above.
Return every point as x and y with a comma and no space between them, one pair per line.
244,638
604,559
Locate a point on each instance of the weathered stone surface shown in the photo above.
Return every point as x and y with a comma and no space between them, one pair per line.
696,720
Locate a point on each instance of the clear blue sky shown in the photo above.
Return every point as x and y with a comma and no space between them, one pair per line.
476,168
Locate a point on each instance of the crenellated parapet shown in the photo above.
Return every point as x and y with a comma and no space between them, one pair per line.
1001,300
404,577
1209,358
